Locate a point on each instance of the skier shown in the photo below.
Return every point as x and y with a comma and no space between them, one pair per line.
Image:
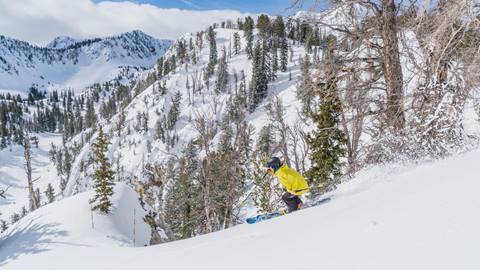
293,182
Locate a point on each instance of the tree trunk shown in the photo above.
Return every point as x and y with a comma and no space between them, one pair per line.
391,66
34,203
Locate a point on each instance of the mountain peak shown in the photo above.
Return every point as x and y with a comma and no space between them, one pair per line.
61,42
60,62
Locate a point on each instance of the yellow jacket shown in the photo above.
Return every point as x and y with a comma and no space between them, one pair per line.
291,180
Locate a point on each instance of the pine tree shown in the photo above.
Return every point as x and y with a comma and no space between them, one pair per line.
160,67
23,212
174,112
50,193
327,146
63,185
327,142
259,83
279,27
183,200
181,51
145,120
213,57
236,43
14,218
248,34
271,60
103,176
264,26
306,86
173,64
90,116
265,142
3,225
274,62
67,163
222,74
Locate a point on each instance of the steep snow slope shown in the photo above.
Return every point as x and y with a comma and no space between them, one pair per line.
69,224
393,217
67,63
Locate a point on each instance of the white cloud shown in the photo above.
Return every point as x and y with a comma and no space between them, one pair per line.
39,21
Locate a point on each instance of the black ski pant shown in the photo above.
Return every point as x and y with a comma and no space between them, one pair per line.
292,201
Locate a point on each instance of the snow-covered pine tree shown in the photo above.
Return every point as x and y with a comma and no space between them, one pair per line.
305,86
213,56
248,27
274,58
327,142
160,67
259,82
90,116
183,202
3,225
236,43
279,28
103,175
264,26
14,218
23,212
327,145
222,74
174,112
50,193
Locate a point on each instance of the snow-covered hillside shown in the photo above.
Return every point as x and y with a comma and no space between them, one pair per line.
393,217
71,223
132,150
72,64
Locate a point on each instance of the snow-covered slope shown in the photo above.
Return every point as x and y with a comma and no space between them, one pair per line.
67,63
394,217
70,223
13,175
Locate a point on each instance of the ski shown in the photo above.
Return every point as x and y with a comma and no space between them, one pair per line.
267,216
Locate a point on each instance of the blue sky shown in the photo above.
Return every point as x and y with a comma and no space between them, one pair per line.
273,7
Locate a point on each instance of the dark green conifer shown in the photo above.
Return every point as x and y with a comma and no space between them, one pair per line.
103,176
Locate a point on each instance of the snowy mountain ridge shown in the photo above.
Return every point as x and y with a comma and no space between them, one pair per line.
67,63
61,42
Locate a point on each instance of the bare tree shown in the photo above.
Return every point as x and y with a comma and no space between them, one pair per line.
34,201
448,38
276,115
3,192
205,126
378,19
299,147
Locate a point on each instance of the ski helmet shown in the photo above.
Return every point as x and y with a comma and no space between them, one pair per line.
274,163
